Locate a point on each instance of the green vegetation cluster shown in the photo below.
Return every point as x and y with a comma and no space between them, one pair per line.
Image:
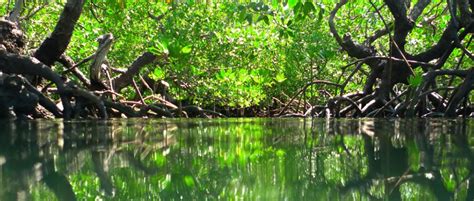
238,55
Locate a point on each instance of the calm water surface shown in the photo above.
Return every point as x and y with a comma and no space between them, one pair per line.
237,159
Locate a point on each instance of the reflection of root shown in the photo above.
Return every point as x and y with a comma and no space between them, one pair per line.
101,168
60,185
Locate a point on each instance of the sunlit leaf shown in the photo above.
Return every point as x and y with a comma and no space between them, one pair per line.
159,47
158,73
280,153
292,3
280,77
186,49
275,3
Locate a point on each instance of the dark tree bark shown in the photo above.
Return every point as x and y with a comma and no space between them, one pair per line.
55,45
126,79
12,39
400,64
23,65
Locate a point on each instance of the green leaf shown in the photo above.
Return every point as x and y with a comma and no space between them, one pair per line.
254,6
292,3
242,15
186,49
275,3
308,7
159,47
415,80
249,18
174,49
196,71
264,18
448,181
290,33
153,50
280,77
297,8
158,74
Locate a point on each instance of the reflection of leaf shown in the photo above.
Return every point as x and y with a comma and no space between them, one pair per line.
160,160
448,180
281,153
413,156
189,181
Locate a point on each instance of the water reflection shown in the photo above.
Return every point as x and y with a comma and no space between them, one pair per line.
249,159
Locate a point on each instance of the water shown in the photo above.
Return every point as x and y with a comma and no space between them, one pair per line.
237,159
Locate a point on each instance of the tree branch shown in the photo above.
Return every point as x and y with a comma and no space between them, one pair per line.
418,9
105,43
55,45
15,13
126,78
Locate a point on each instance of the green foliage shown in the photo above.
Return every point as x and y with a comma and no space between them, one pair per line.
232,53
225,54
415,80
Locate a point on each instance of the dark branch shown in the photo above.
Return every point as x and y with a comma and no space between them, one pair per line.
126,78
55,45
